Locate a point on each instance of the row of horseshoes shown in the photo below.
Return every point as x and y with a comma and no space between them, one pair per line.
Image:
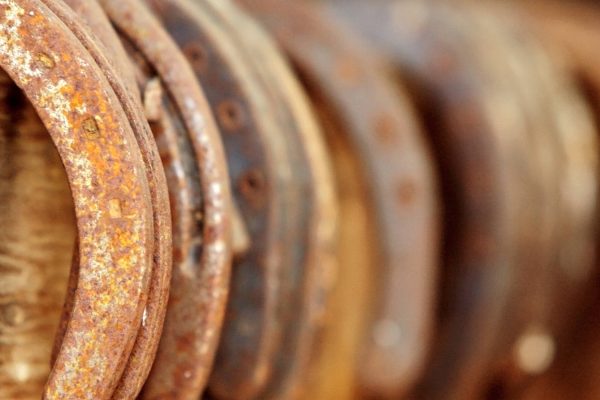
284,199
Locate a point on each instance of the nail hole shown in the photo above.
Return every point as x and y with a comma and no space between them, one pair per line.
251,185
387,334
196,55
348,71
535,351
407,192
230,115
46,61
384,129
91,127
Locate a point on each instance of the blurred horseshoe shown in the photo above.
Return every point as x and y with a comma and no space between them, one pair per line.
566,124
309,280
359,102
428,54
483,196
565,29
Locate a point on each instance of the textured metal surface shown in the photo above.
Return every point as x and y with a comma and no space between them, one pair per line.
142,354
112,200
261,181
210,276
364,103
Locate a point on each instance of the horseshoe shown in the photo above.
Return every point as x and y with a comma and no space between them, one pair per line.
303,311
211,277
322,56
115,225
564,29
569,256
262,180
141,356
542,187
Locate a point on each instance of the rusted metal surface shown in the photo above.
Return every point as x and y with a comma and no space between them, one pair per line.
112,199
36,245
141,356
210,276
306,283
363,103
262,181
104,37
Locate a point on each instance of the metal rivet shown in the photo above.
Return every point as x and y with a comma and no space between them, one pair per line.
114,208
91,126
46,60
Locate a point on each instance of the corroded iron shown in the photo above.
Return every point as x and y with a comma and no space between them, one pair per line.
360,102
112,199
142,354
209,277
262,182
144,137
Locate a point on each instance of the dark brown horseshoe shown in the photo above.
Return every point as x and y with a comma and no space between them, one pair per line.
530,288
309,281
88,126
566,124
566,28
260,175
37,237
337,77
211,275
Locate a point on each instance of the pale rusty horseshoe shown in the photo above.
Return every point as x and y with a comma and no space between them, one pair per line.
566,29
338,79
112,199
142,354
562,121
211,275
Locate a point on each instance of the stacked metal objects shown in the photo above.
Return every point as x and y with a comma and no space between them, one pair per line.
284,199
